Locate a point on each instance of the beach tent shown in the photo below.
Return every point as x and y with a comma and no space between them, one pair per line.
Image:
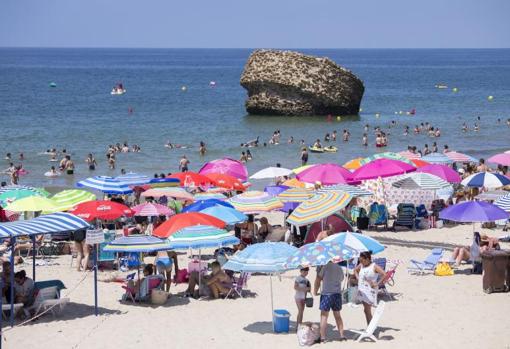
339,224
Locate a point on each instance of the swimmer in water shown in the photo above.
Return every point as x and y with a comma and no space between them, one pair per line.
476,128
406,131
364,140
346,136
333,136
464,127
326,137
291,140
8,157
91,162
53,171
317,144
248,155
202,149
21,157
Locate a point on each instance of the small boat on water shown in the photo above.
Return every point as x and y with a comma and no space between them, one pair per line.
441,86
118,90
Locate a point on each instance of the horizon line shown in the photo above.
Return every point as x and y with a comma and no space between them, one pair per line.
253,48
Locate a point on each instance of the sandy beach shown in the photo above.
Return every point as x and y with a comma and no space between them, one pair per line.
428,311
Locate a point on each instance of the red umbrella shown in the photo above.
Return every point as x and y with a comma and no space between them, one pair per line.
191,179
226,181
101,209
183,220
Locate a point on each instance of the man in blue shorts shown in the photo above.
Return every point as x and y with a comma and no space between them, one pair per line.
330,276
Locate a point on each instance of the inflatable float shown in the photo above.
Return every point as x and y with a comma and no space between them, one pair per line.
52,174
316,150
331,149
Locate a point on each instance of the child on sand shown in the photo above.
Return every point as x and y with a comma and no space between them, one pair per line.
302,286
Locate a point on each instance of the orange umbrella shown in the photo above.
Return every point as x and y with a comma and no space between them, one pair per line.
184,220
419,163
353,164
225,181
191,179
295,183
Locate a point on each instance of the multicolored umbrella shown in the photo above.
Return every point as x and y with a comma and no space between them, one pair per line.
132,179
491,195
255,202
410,155
500,159
177,193
294,182
137,244
67,199
424,181
274,190
226,214
473,211
381,168
503,202
32,204
228,166
151,210
386,155
271,172
185,220
101,209
191,179
296,194
459,157
352,190
486,179
357,242
442,171
209,196
318,253
105,184
319,206
201,236
200,205
326,174
437,158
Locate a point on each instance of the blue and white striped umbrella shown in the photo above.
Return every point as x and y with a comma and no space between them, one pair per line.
105,184
226,214
503,203
201,236
486,179
266,257
352,190
132,178
420,180
357,242
437,158
137,243
51,223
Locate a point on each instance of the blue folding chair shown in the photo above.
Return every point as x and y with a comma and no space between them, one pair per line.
428,264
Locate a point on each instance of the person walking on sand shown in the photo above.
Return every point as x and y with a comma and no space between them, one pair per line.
329,277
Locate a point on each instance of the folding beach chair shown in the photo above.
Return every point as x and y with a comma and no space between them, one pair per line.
405,216
427,265
372,326
6,309
238,285
148,284
47,298
378,215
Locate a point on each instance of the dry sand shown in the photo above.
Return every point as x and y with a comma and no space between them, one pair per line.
428,311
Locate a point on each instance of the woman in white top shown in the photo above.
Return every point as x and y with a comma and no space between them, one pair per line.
369,276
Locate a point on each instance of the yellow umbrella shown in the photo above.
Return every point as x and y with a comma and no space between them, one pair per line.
301,168
353,164
295,183
32,204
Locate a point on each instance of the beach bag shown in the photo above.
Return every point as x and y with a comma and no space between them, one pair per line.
158,297
308,301
443,269
182,276
307,334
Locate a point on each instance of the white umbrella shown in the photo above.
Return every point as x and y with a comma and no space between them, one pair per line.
271,172
419,180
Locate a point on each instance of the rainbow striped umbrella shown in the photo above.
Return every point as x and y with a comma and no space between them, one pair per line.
137,243
151,210
296,194
208,196
319,206
386,155
201,236
255,201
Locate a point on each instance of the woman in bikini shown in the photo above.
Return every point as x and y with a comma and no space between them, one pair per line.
164,261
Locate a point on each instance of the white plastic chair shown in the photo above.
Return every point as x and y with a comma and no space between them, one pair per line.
372,326
47,298
7,308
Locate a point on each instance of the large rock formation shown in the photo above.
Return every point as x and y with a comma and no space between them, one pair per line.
290,83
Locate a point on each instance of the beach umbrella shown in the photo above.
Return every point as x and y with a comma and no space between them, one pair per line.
226,214
500,159
473,211
381,168
17,187
67,199
107,185
16,194
184,220
294,182
352,190
296,194
357,242
101,209
419,163
320,206
437,158
491,195
386,155
228,166
271,172
209,196
410,155
177,193
164,182
148,209
198,206
301,168
255,202
318,253
11,216
137,244
503,202
424,181
132,179
201,236
486,179
274,190
353,164
191,179
32,204
459,157
442,171
326,174
223,180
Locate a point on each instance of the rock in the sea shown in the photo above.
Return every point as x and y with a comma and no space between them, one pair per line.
291,83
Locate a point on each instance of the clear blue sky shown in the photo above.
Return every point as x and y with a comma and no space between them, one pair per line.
255,23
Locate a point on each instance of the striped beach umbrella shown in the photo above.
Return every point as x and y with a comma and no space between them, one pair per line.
201,236
137,244
295,183
357,242
318,207
410,155
491,195
209,196
32,204
255,202
459,157
200,205
500,159
437,158
172,192
107,185
26,187
133,179
319,253
296,194
271,172
424,181
16,194
67,199
386,155
151,210
352,190
226,214
51,223
503,203
486,179
164,182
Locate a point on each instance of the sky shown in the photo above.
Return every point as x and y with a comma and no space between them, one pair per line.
255,23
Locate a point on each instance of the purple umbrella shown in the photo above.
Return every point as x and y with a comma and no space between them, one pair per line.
274,190
381,168
473,211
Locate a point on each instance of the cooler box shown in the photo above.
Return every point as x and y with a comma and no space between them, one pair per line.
281,320
495,269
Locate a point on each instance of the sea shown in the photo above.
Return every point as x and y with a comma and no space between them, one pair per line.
170,98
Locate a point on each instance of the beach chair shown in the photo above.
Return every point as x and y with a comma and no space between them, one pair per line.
378,215
405,216
427,265
6,310
372,326
47,298
238,285
148,284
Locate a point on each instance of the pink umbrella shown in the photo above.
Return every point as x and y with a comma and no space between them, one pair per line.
227,166
149,210
410,155
442,171
459,157
500,159
381,168
326,174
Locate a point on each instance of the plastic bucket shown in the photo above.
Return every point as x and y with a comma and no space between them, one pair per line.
281,320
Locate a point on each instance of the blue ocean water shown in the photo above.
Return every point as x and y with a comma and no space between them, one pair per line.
81,115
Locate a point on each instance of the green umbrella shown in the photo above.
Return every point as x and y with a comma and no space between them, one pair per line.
387,155
67,199
16,194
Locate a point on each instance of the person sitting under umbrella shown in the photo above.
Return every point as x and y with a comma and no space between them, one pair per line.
217,282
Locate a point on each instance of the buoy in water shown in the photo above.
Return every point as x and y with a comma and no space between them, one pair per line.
455,89
338,118
52,84
490,98
212,83
184,88
377,115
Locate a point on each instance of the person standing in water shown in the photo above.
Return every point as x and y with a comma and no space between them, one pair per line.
183,164
91,162
202,149
304,156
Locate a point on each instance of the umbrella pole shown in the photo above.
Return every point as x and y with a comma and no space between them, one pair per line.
33,257
95,280
13,245
272,306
